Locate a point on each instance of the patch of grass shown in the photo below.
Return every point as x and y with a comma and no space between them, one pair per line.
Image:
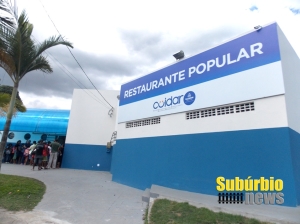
20,193
146,216
171,212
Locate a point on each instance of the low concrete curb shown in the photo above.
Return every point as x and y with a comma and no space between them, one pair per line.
269,213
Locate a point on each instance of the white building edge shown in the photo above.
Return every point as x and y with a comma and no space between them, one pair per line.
244,120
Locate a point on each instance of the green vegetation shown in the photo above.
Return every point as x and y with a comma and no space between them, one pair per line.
20,54
145,216
20,193
5,96
171,212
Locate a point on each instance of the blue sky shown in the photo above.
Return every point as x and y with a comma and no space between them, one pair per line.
295,11
253,8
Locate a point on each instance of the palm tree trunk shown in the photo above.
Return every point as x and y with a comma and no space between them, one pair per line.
8,120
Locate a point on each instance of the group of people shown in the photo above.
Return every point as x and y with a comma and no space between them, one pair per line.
43,154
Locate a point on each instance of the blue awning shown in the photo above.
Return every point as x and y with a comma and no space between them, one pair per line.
40,121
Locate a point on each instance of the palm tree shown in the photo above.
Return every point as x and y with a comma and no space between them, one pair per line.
19,55
9,13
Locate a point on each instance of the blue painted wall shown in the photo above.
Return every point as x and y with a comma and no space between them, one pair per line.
86,157
295,149
193,162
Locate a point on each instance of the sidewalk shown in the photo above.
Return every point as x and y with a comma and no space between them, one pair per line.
77,196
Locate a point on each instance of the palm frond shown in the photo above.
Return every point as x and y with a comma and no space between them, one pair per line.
9,14
51,42
5,35
7,63
19,54
20,107
41,63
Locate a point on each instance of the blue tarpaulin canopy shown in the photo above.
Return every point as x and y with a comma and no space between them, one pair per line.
40,121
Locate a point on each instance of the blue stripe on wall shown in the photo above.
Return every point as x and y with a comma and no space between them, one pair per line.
193,162
86,157
295,149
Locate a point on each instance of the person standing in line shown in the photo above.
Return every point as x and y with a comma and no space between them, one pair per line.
60,155
27,144
18,152
23,147
45,155
38,155
31,149
7,153
49,150
15,155
55,146
12,153
26,154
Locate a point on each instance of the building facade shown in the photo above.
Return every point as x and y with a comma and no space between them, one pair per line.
91,126
230,111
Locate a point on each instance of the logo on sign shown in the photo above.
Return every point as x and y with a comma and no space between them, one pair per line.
189,98
174,101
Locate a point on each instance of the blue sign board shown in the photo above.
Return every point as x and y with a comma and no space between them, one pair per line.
246,52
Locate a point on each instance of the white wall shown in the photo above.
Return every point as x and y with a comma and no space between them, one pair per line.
89,121
34,137
269,113
291,75
246,85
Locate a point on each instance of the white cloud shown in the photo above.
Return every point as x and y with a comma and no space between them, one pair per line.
116,41
54,102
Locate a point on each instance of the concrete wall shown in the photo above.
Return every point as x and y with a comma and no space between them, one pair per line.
291,76
193,162
89,129
89,121
269,113
191,154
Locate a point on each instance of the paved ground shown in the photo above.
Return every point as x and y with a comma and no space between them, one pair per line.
77,196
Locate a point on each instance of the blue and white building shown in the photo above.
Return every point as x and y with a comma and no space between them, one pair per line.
91,126
231,111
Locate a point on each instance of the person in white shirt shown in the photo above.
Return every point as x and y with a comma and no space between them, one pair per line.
31,148
49,149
